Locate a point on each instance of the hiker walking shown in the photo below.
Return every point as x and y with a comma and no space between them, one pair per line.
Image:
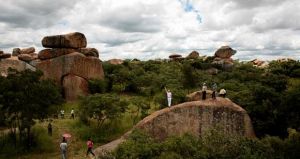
72,114
90,145
169,96
204,88
50,129
222,93
63,148
214,89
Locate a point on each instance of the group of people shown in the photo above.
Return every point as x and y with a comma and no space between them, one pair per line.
222,93
63,147
62,114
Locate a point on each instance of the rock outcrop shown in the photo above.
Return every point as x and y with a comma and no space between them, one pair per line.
27,50
66,60
196,118
4,55
74,63
74,86
196,96
13,63
72,40
28,57
176,57
259,63
16,52
115,61
193,55
223,57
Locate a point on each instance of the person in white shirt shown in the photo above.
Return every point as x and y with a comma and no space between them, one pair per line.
204,88
222,93
169,96
63,147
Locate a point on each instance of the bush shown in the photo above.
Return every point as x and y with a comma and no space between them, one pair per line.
213,145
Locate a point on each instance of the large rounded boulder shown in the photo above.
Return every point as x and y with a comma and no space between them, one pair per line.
225,52
196,118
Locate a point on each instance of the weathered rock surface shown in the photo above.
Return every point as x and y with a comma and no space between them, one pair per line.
196,96
89,52
196,118
27,57
27,50
56,52
174,56
74,63
74,86
223,57
115,61
16,52
5,55
1,52
225,52
72,40
14,63
193,55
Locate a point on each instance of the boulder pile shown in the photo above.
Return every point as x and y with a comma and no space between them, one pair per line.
223,56
69,63
66,60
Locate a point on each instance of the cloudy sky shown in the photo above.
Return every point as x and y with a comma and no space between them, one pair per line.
149,29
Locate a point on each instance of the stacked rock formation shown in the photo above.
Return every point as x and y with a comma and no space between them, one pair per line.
25,54
223,56
196,117
66,60
69,63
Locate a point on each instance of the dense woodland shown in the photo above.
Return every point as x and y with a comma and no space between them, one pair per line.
134,89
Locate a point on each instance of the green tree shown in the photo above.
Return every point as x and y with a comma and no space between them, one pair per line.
103,107
24,97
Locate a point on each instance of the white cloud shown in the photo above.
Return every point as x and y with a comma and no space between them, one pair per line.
154,29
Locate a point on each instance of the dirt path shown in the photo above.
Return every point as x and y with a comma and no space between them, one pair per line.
76,147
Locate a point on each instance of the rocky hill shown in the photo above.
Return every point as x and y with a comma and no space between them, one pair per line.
194,117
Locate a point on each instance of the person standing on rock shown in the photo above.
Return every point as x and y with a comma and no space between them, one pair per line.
63,147
222,93
72,114
204,88
50,129
90,145
169,96
214,89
